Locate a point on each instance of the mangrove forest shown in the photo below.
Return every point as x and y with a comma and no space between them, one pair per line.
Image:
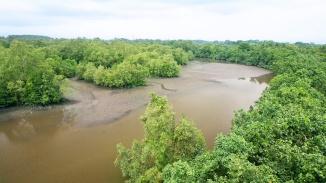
281,138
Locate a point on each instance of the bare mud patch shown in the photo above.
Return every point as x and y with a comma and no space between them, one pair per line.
93,105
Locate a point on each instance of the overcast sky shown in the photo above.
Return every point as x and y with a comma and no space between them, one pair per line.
278,20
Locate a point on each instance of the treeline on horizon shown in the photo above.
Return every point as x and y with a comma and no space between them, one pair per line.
281,138
34,68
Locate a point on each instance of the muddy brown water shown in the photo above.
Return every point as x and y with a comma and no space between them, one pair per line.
76,142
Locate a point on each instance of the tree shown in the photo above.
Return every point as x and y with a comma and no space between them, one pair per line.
180,56
165,142
42,87
99,76
27,77
127,75
90,69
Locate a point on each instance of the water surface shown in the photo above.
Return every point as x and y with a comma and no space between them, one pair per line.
76,142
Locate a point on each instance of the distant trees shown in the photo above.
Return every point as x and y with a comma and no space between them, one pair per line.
256,53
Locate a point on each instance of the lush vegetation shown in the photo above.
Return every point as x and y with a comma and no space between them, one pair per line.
28,76
120,64
165,142
33,69
282,138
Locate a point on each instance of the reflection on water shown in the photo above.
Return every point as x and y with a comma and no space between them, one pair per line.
264,79
31,123
45,146
39,146
24,129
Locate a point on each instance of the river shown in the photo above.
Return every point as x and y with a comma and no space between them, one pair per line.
76,141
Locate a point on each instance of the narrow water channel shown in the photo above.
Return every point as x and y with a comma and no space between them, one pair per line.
76,142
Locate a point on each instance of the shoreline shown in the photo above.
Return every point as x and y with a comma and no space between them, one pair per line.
94,105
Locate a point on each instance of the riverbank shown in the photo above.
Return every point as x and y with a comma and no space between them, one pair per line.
94,105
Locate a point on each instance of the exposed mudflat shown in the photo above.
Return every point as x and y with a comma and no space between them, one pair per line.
96,105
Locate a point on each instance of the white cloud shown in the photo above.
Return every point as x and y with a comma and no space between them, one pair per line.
287,20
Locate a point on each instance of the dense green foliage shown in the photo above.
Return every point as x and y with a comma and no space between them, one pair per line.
28,77
281,138
165,142
34,68
120,64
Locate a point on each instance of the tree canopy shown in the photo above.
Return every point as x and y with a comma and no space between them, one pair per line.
165,142
34,68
